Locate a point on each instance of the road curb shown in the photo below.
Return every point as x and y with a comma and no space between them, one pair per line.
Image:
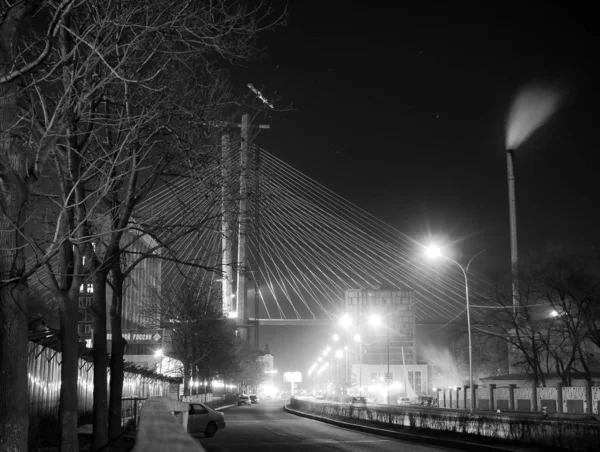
223,407
431,440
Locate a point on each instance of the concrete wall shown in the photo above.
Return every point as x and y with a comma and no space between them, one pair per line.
578,400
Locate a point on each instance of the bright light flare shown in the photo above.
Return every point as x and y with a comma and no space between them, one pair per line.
346,321
336,337
375,320
433,251
357,337
554,313
158,353
339,354
532,107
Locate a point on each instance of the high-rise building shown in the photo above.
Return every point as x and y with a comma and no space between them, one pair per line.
396,312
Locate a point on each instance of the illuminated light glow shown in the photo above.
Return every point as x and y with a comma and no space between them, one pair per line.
158,353
232,315
320,359
357,337
396,385
267,389
336,337
339,354
346,321
554,313
375,320
433,251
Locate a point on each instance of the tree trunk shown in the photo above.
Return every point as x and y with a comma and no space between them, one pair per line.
100,413
14,193
186,379
14,421
69,372
116,357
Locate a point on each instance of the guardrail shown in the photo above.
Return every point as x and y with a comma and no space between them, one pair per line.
578,435
159,429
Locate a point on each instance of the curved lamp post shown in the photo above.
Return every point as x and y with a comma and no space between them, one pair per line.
435,252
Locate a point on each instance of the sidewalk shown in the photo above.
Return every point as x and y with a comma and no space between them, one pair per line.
442,440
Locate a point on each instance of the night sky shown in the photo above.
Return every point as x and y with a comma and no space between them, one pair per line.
402,111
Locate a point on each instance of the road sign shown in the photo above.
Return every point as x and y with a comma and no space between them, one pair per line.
388,376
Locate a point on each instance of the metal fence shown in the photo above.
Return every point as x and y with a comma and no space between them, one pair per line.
43,372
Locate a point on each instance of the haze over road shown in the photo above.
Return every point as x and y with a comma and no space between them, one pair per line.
267,427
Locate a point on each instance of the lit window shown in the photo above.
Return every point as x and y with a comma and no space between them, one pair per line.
88,328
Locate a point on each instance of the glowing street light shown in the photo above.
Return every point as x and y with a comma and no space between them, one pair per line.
356,337
346,321
435,252
336,337
375,320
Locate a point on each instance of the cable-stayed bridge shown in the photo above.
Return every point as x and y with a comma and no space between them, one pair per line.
304,245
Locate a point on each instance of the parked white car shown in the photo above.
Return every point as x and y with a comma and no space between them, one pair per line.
244,400
203,419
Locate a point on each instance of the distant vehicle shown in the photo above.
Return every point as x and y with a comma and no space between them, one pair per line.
203,419
254,398
320,396
404,401
244,400
358,402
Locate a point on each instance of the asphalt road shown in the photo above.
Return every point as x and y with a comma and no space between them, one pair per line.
266,427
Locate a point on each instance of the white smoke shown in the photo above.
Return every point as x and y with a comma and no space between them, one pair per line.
531,109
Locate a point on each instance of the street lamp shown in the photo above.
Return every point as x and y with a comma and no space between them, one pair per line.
435,252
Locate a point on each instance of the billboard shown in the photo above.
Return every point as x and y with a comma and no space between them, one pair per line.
292,377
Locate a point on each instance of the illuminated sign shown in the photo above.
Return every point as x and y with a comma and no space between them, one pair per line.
140,337
292,377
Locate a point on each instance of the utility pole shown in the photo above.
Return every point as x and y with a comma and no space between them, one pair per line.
388,376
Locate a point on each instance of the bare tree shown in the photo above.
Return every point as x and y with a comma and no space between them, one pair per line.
21,165
93,92
571,291
191,312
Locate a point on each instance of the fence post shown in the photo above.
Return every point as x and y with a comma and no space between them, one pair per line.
474,397
449,397
559,397
589,409
534,403
465,396
511,397
493,397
